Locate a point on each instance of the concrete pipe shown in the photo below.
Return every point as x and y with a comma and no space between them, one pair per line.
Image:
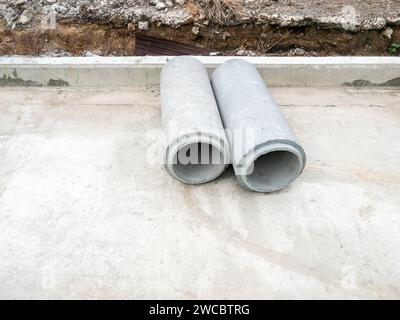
265,154
197,149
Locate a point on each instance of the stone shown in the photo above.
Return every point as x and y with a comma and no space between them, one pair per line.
195,30
388,33
160,5
131,26
92,54
298,52
225,35
243,52
117,20
10,16
21,3
25,17
143,25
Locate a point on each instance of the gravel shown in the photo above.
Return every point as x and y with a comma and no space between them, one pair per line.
350,15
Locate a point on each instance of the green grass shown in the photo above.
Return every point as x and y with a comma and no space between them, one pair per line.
394,48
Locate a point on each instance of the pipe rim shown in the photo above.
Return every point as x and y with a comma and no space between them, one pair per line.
182,142
246,164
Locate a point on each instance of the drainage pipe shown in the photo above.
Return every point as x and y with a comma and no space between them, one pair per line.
197,150
265,153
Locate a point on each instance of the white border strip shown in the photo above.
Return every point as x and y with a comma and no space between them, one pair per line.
207,60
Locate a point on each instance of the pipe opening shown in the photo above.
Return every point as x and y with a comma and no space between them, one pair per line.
274,170
198,162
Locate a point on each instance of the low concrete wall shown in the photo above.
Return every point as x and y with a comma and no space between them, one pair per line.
125,71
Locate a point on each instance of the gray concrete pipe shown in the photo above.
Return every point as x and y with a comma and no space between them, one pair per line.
265,153
197,149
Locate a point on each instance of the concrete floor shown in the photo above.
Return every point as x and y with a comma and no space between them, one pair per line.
85,214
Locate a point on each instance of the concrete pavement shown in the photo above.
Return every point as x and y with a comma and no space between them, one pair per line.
83,214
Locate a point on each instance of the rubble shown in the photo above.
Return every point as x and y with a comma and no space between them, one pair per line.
352,15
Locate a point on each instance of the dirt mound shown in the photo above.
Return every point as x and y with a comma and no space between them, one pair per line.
243,27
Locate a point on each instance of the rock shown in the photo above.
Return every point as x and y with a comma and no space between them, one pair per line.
349,18
117,20
225,35
388,33
92,54
297,52
347,15
56,53
115,12
195,30
10,16
25,17
21,3
160,5
243,52
49,18
143,25
131,26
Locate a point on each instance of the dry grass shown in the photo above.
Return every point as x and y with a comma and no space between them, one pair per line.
220,11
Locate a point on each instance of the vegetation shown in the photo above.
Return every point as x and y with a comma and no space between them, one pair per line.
394,48
220,11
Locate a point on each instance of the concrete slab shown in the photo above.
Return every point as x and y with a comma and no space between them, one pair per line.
84,214
120,71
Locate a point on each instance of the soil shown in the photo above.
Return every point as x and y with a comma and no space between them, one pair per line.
106,40
265,27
